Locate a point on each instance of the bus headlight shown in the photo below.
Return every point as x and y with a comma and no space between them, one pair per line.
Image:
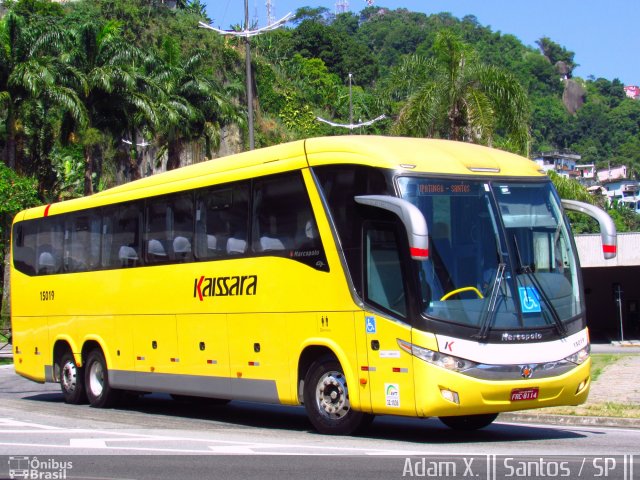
439,359
580,356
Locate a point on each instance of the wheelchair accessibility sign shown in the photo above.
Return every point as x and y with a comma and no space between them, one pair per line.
370,323
529,299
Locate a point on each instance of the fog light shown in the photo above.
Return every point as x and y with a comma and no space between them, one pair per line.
450,396
583,385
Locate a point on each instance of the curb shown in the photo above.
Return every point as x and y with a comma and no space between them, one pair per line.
570,420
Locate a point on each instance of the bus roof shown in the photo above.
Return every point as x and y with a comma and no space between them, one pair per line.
415,155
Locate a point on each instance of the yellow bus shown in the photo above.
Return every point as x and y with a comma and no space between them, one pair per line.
355,275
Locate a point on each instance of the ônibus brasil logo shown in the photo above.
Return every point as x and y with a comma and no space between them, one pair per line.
224,286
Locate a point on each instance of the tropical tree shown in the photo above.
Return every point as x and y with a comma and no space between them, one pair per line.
107,64
33,78
454,96
193,105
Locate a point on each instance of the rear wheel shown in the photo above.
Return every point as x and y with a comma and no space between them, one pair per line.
99,391
71,380
469,422
326,399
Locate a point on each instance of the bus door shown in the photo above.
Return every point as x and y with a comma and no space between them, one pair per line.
390,369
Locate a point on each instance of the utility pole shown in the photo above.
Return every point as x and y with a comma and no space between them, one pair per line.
246,34
351,125
247,46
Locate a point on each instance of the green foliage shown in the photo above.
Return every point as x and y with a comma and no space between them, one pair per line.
625,219
456,96
17,193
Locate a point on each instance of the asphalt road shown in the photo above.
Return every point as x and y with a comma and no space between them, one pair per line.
157,438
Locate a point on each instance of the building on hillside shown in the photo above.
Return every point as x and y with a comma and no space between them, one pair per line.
563,164
612,174
620,189
632,91
586,174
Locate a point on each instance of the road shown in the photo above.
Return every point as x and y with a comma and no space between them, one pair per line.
157,437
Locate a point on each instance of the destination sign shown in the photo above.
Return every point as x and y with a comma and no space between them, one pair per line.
447,188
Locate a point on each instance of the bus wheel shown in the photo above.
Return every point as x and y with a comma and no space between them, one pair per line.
99,392
326,399
469,422
71,380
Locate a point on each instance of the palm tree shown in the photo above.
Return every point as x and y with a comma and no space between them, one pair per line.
32,79
116,92
455,96
193,105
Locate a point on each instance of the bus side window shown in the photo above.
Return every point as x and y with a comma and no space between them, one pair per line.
124,243
24,247
282,214
49,246
157,230
182,226
384,285
81,243
221,221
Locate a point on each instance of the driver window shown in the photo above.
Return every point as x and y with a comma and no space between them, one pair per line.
384,285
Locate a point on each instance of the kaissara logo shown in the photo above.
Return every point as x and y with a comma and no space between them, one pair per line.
224,286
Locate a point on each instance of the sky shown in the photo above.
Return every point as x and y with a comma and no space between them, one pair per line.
604,35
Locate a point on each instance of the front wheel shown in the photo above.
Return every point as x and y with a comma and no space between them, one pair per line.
99,392
326,399
469,422
71,380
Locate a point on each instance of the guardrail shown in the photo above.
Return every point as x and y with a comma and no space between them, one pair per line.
5,335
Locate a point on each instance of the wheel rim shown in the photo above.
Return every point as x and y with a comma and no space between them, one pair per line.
96,379
69,376
332,396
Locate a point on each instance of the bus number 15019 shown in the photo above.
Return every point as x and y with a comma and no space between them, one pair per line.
46,295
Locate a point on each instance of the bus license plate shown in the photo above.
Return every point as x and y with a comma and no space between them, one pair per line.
518,394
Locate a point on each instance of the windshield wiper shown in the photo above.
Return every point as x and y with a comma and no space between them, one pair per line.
489,315
528,271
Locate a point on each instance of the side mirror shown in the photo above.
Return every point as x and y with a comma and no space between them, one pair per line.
607,227
411,217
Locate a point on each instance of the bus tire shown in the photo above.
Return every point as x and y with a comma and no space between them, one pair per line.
71,380
99,392
469,422
326,400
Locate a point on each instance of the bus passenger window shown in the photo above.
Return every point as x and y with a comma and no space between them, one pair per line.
181,224
81,243
124,237
221,221
24,247
49,247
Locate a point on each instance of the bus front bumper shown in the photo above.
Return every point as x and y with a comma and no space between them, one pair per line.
440,392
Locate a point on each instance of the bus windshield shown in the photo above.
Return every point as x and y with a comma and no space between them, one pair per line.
501,256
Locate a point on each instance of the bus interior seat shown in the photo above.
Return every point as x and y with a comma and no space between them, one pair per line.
212,243
46,263
181,247
308,238
128,256
236,246
155,249
268,244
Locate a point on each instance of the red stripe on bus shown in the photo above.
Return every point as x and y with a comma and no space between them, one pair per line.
46,210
